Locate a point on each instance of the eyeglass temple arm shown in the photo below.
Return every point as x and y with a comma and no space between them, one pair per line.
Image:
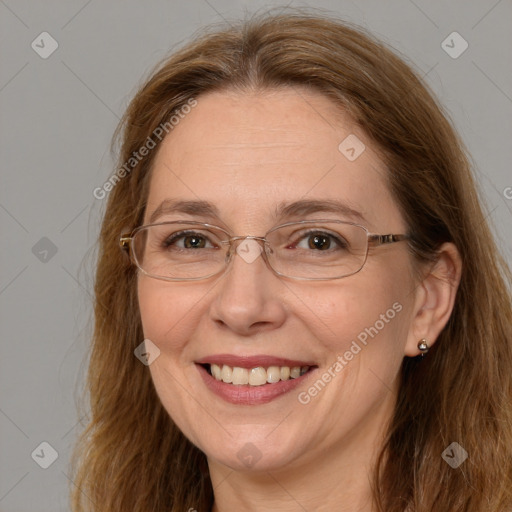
386,239
124,242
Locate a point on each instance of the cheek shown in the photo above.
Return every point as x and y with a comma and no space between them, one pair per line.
356,310
167,312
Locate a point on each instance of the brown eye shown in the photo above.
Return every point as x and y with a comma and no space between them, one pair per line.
191,240
321,241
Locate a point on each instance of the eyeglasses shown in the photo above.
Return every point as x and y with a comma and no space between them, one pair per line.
308,250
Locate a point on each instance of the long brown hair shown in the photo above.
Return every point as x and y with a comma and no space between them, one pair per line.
131,456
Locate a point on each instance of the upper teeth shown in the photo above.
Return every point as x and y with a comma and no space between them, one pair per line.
256,376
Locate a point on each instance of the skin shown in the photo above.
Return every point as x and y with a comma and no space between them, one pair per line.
246,152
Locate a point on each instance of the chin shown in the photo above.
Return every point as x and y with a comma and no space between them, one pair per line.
254,454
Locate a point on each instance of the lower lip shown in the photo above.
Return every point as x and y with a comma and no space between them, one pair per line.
250,395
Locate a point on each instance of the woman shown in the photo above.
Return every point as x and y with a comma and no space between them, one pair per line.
307,310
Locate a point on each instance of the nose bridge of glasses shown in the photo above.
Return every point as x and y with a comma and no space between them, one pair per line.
246,237
235,241
248,252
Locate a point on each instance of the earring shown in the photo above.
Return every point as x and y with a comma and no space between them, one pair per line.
423,346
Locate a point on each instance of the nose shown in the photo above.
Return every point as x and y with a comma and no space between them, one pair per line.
249,294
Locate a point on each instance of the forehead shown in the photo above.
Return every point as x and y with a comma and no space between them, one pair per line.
248,153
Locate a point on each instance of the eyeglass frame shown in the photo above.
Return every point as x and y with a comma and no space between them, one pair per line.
372,240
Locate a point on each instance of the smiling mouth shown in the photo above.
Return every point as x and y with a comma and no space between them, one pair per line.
257,376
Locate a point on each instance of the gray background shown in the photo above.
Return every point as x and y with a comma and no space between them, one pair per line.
57,118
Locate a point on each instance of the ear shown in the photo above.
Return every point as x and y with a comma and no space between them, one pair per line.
434,299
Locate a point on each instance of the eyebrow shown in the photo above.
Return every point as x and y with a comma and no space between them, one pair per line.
200,208
283,210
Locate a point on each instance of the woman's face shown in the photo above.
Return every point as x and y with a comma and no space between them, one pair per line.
248,154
